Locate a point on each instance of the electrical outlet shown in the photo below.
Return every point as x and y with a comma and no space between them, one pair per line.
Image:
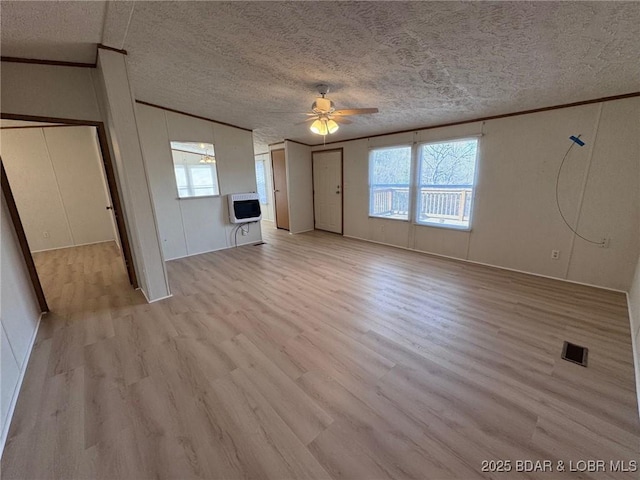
604,242
555,254
45,234
243,233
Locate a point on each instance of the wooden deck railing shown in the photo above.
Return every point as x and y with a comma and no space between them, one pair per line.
435,201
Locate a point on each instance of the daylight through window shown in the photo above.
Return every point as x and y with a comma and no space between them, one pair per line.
389,182
445,183
442,194
195,169
261,181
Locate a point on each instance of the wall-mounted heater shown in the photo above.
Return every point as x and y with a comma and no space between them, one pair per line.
244,207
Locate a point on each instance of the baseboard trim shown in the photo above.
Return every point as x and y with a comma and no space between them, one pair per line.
636,354
252,242
144,294
457,259
73,246
16,392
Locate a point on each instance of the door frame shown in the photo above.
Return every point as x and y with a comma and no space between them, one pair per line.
313,183
273,184
22,239
112,185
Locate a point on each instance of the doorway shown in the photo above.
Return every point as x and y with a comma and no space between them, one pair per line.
62,195
328,190
280,194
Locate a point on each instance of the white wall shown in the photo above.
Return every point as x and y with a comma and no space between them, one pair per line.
515,221
48,91
117,102
56,176
299,186
100,94
19,317
190,226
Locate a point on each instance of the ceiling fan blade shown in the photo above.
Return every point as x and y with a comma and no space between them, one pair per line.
307,120
355,111
341,120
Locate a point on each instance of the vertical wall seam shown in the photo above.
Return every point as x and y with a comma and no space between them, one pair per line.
55,176
184,230
585,181
13,352
414,182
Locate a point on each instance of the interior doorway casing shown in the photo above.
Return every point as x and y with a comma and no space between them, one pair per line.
116,200
22,239
280,190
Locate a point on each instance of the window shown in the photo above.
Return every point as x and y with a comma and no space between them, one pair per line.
389,182
261,180
195,169
445,183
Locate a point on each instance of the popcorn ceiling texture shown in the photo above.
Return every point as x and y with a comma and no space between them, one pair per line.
420,63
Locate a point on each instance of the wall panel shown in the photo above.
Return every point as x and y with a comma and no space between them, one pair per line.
515,220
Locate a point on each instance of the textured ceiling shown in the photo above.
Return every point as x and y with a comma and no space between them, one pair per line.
420,63
65,31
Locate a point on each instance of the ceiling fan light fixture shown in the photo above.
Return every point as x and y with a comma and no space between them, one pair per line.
332,126
319,127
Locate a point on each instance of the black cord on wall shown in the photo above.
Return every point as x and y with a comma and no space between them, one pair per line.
574,141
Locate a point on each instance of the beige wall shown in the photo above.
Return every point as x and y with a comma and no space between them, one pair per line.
48,91
299,186
634,314
19,318
118,108
195,225
515,222
56,175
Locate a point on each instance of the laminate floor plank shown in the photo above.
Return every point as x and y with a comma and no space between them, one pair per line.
318,356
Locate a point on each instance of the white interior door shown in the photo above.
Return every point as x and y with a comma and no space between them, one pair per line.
327,190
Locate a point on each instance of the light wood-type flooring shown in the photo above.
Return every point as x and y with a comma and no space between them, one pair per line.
315,356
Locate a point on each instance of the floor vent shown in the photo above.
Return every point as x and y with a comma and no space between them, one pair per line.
259,243
575,353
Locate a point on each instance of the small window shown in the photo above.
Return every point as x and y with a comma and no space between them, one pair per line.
261,180
446,182
194,165
389,182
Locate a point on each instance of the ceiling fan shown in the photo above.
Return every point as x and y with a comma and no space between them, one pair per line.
326,118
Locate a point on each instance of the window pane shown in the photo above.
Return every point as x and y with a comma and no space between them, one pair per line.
201,176
195,169
447,173
389,180
261,180
181,176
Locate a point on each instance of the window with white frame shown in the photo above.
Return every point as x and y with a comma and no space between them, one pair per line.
390,182
261,181
446,178
195,169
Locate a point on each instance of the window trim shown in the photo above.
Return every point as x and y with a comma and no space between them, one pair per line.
188,172
266,180
416,186
371,149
